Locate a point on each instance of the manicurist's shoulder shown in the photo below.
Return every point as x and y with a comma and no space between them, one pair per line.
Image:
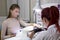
43,33
40,36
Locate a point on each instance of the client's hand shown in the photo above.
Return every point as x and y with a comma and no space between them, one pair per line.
13,35
31,34
36,25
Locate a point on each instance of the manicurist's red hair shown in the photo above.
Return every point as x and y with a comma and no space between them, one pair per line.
52,15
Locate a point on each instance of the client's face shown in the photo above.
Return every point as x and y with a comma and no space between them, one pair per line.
15,12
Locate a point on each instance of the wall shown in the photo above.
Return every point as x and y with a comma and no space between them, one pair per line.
24,9
3,8
49,1
32,4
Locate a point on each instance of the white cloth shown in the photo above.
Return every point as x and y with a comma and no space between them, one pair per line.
50,34
23,34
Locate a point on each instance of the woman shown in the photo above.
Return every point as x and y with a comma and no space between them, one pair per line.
50,17
12,24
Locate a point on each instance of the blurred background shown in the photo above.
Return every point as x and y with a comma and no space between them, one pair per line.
27,6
